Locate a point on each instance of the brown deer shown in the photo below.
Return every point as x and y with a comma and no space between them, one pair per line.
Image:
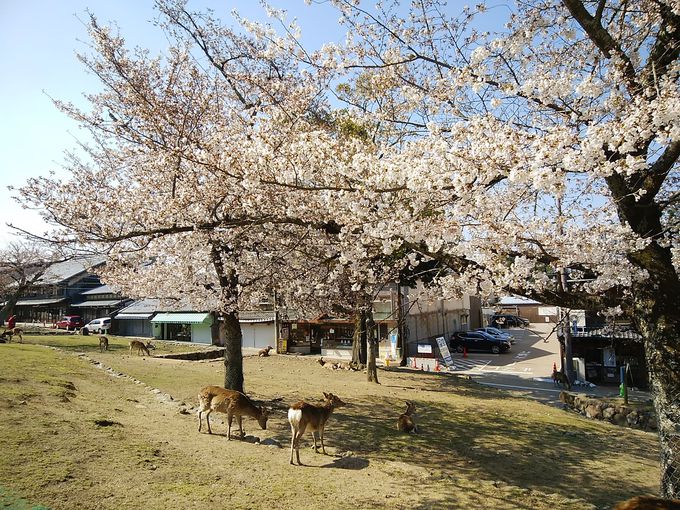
103,344
265,352
561,378
648,503
136,345
231,402
9,333
303,416
406,422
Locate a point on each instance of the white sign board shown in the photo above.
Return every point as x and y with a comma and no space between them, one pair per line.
444,349
424,349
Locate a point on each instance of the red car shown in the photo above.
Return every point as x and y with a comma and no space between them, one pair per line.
71,322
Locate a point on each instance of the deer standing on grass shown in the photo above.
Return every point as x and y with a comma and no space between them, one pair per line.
265,352
303,416
103,344
9,333
406,422
140,347
231,402
561,378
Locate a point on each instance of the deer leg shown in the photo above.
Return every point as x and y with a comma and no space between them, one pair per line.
323,447
200,421
292,442
207,419
297,447
316,448
240,426
230,417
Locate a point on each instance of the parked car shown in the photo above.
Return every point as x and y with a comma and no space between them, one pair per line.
478,341
99,325
505,320
498,333
70,322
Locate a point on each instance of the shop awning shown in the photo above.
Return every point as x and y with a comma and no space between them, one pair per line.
253,317
181,318
133,316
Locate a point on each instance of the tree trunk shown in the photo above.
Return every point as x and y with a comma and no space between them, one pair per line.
356,337
8,308
231,337
372,347
662,349
402,341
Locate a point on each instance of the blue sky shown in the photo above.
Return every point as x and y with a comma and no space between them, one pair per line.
38,42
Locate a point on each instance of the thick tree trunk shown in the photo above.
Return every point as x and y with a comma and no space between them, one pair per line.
662,349
231,337
372,342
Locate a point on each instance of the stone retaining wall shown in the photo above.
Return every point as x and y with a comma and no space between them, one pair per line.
637,417
194,356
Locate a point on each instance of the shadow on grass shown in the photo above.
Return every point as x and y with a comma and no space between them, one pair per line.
494,446
354,463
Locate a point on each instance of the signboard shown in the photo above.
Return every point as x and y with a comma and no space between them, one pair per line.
444,349
424,349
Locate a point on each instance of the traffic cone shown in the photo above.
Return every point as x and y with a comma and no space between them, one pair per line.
465,352
436,365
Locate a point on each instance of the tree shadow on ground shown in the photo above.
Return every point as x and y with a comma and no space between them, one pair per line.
493,446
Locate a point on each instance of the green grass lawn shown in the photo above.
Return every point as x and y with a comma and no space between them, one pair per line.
76,437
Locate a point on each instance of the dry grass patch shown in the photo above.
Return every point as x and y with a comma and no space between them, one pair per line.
479,448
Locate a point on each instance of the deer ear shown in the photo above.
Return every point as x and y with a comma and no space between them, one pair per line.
327,395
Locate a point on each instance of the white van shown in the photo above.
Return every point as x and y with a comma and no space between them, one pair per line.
99,325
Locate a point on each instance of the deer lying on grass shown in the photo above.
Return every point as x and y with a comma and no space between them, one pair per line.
339,365
9,333
265,352
561,378
231,402
303,416
103,344
648,503
140,347
406,422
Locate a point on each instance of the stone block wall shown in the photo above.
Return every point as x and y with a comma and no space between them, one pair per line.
638,417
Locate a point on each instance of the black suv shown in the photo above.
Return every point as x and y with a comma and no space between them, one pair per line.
505,320
478,341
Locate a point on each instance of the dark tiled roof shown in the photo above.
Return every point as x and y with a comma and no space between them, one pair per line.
63,271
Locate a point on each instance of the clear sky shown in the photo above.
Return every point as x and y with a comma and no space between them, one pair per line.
38,42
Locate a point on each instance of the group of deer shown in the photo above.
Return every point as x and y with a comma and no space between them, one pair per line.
302,415
135,345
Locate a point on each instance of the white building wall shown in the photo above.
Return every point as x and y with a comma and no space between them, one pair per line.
200,333
258,334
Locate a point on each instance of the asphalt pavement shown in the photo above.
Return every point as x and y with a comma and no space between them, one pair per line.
526,369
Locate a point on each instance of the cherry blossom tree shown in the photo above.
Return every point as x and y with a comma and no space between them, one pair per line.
544,147
22,264
166,187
